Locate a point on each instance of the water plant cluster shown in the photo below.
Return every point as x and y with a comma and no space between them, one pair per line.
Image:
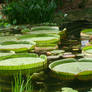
22,55
18,53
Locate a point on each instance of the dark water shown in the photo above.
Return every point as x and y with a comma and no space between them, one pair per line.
46,83
51,84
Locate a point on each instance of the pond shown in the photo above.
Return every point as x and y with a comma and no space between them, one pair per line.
22,47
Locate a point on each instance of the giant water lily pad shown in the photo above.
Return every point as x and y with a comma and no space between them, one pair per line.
69,69
86,34
8,38
87,31
16,42
87,51
45,30
6,53
22,62
53,28
17,47
41,38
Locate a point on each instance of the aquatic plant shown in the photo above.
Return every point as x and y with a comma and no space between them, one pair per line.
56,52
53,28
40,38
45,30
87,31
69,69
21,85
26,63
87,48
7,38
17,46
87,51
86,34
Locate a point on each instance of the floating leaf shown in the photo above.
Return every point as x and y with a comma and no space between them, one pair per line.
41,38
16,47
26,62
87,51
87,31
55,52
45,28
69,69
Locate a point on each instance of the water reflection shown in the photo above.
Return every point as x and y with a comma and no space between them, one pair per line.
51,84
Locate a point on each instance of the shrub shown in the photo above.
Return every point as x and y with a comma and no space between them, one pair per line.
29,11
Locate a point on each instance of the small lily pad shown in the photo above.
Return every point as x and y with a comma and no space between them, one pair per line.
55,52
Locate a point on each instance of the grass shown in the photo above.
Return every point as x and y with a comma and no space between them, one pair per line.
21,85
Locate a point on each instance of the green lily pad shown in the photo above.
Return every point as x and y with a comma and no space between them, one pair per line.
22,62
81,70
7,38
87,31
45,32
5,54
41,38
16,47
87,51
86,48
16,42
54,28
74,68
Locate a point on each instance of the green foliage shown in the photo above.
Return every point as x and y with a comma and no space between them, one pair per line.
25,30
20,85
4,24
87,31
87,48
29,11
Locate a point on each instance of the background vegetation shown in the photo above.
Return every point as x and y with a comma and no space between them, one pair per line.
29,11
